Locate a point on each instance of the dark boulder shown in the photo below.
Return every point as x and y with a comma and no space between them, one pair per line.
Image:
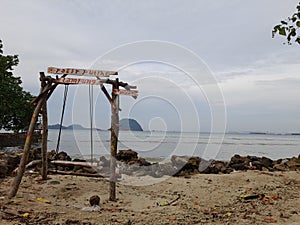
62,156
238,162
266,162
185,162
127,155
13,162
185,165
217,167
239,166
3,169
237,159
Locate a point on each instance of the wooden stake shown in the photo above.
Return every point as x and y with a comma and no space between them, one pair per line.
44,141
114,141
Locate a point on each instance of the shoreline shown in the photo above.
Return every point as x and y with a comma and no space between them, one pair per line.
129,163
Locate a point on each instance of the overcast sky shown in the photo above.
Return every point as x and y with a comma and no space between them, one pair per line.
258,76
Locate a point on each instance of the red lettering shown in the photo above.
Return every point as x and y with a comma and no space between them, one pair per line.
50,69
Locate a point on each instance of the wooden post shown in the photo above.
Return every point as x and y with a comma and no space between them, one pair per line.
44,141
45,130
24,159
114,140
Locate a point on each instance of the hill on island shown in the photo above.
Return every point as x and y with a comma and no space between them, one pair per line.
130,124
71,127
125,124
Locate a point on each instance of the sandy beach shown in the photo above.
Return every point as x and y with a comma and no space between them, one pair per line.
251,197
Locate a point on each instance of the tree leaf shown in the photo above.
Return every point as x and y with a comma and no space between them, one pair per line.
284,22
282,31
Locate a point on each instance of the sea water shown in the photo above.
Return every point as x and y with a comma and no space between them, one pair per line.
162,145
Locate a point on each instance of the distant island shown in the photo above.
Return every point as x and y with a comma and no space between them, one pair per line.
125,124
130,124
71,127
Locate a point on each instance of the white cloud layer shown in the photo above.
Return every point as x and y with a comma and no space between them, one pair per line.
259,76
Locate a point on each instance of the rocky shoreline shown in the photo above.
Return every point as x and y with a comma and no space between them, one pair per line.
130,164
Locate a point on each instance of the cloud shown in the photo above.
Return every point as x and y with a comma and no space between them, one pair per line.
257,74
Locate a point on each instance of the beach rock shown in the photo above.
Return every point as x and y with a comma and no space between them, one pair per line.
128,169
185,162
158,170
216,167
140,162
127,155
167,169
3,169
35,154
293,164
62,156
155,170
237,159
51,155
280,167
266,162
204,164
238,162
104,162
12,162
239,166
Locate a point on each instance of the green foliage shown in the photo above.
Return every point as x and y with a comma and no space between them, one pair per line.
289,27
15,108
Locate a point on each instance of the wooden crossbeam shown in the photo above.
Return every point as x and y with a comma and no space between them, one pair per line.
81,72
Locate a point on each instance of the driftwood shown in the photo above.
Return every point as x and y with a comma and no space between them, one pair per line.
32,163
70,163
76,174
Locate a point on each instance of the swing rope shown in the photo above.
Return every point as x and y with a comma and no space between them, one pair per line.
62,116
91,100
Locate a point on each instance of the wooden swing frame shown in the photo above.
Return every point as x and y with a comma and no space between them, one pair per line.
48,85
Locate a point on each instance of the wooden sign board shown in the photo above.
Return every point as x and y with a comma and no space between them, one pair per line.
126,92
78,81
81,72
